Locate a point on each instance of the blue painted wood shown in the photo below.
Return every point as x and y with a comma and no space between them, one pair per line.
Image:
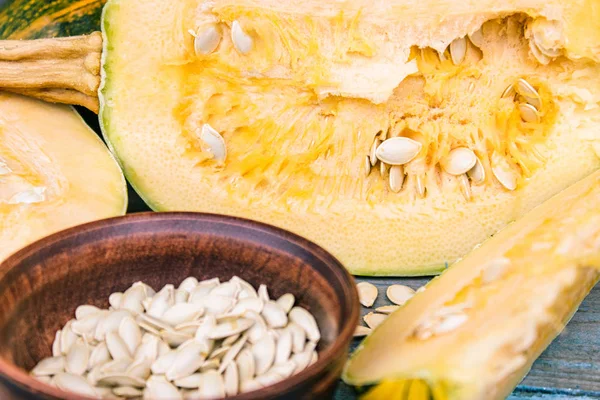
569,369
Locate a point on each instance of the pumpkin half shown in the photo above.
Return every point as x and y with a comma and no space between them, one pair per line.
54,172
397,134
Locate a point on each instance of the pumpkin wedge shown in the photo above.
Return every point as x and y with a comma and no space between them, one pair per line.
54,172
398,135
476,329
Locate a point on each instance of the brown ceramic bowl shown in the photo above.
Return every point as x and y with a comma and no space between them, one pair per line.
41,285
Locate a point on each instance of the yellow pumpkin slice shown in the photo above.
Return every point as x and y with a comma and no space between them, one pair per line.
54,172
476,329
396,134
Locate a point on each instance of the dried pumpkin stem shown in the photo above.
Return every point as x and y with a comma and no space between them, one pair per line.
61,70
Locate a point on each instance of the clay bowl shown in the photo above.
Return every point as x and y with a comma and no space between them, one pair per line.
41,285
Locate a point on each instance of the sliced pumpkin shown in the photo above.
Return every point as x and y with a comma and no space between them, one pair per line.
277,111
476,329
54,172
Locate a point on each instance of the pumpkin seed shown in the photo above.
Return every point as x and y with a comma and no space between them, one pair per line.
86,326
387,309
459,161
274,315
465,186
398,150
130,333
509,92
231,379
76,361
157,387
214,141
249,385
117,347
396,178
208,40
187,360
181,296
367,166
284,347
503,172
127,391
525,89
189,382
477,38
477,173
538,54
307,322
229,328
182,312
30,196
383,169
298,337
85,311
139,369
286,302
248,303
420,186
302,360
161,302
264,354
373,320
214,304
56,344
269,378
49,366
121,380
529,113
174,338
399,294
99,355
241,40
458,50
361,331
367,293
246,289
232,353
188,284
110,323
263,293
227,289
67,338
73,383
163,363
219,352
115,300
285,369
373,152
246,364
132,299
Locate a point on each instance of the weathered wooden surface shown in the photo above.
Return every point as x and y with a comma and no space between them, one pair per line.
568,369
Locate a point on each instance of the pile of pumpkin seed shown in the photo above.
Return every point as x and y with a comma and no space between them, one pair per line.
367,294
201,340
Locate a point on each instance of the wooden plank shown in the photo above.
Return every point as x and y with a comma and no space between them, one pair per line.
568,369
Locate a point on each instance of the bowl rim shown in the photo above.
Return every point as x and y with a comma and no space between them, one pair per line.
350,303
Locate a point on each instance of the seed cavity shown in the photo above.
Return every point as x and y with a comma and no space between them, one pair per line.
241,40
398,150
208,40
